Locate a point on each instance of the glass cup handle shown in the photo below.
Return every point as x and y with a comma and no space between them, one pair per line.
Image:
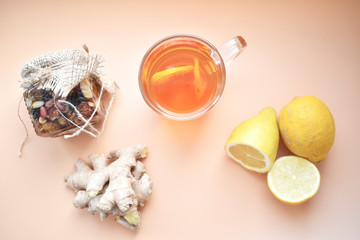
230,50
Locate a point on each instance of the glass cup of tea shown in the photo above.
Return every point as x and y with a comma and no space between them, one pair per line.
183,76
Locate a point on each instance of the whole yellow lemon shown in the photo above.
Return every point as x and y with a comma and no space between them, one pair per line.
307,128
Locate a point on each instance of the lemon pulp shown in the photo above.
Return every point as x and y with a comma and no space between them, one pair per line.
293,180
248,155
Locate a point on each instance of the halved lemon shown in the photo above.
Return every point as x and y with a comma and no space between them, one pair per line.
254,143
293,180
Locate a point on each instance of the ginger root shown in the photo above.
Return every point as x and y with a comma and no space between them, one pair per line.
116,185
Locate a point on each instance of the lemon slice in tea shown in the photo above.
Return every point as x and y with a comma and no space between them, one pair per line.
166,74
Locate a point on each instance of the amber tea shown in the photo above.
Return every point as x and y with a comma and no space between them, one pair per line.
182,77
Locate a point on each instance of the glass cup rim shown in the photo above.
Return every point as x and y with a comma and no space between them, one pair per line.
190,116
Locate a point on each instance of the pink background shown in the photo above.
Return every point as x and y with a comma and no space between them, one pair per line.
295,48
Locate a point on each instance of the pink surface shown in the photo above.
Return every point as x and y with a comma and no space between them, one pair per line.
295,48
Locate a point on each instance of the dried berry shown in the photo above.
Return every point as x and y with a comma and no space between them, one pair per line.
60,106
49,103
47,95
81,97
62,121
75,98
69,110
77,88
53,113
37,94
71,97
43,112
35,113
78,121
50,126
85,110
71,115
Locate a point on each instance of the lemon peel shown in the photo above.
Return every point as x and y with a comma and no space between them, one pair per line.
307,128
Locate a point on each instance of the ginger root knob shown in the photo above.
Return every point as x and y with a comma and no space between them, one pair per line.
117,185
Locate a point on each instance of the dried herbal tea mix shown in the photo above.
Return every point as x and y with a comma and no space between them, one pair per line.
66,94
